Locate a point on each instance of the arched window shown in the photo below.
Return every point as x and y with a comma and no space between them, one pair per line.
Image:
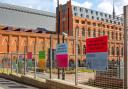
98,32
78,49
112,35
103,32
83,32
84,49
77,31
113,51
94,33
108,34
117,51
89,33
122,51
120,36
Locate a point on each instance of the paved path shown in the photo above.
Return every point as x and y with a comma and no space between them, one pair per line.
7,84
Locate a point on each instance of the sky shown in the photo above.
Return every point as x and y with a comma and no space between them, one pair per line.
50,5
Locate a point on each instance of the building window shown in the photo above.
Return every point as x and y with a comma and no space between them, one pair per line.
108,34
89,23
103,32
82,22
82,15
78,49
118,23
86,11
91,12
101,14
102,19
92,17
75,8
89,33
112,35
107,26
76,14
76,21
106,20
96,13
99,25
98,32
110,21
84,49
105,15
83,32
94,24
117,51
97,18
122,51
120,36
116,36
94,33
113,51
87,16
109,16
81,10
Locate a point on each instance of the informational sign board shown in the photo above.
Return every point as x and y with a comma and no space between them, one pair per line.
97,53
29,55
42,55
62,55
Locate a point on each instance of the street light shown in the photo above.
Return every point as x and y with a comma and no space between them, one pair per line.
63,71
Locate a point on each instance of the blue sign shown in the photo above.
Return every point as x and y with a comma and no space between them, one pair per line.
62,49
97,61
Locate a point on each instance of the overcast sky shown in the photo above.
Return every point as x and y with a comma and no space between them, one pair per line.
50,5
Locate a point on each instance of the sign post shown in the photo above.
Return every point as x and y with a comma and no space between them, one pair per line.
62,55
42,59
97,53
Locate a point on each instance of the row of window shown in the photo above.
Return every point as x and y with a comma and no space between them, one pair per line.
99,25
114,51
118,36
98,18
94,12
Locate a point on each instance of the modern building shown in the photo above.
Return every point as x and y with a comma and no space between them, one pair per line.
22,17
90,23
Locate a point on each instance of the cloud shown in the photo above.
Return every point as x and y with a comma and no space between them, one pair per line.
107,6
35,4
85,4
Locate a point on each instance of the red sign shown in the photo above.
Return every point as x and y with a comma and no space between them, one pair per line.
61,60
98,44
29,55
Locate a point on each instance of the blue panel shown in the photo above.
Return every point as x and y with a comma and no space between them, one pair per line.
97,61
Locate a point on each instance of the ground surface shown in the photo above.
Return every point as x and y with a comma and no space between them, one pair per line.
7,84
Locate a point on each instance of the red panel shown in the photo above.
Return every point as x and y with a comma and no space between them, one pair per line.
62,60
99,44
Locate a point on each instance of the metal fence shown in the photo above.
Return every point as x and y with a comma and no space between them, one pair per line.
19,64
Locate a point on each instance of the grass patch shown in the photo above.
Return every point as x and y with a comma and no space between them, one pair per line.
86,70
